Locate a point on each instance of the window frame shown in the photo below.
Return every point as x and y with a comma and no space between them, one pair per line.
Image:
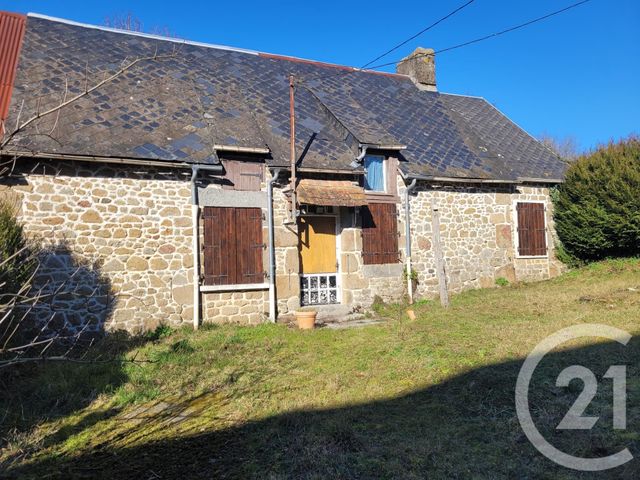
516,233
384,173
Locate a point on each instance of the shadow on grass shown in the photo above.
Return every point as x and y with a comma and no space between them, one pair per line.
74,304
465,427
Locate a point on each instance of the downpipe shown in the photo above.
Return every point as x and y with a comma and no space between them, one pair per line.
272,246
195,244
407,235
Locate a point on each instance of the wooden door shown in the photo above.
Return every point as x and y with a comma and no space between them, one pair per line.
317,244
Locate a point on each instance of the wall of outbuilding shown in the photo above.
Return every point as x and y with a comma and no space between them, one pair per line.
477,231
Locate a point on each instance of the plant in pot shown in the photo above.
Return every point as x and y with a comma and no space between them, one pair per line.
306,318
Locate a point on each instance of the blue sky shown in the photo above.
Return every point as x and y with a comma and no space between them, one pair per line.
576,74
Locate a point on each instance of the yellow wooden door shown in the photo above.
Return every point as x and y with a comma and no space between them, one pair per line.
317,244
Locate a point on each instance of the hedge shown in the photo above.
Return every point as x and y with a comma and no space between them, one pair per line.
597,208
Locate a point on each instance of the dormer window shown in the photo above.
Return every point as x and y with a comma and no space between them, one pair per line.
374,180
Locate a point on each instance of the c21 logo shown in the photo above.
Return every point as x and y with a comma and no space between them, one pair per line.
574,419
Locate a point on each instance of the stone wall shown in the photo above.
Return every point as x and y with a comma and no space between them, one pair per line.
361,283
477,229
250,307
131,229
287,259
128,233
130,226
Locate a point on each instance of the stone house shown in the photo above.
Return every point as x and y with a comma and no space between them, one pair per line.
166,167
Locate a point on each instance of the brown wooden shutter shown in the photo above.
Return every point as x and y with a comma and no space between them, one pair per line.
232,246
219,246
379,234
532,236
250,247
243,175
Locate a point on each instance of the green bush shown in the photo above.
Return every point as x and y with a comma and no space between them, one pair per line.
17,261
597,209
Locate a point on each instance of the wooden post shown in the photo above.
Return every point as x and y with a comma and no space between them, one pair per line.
437,253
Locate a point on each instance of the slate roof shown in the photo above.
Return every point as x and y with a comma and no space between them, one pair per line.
192,97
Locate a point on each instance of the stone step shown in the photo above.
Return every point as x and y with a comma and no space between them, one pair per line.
329,314
332,311
354,323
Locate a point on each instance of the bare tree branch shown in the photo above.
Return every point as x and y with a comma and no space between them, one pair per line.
87,91
17,304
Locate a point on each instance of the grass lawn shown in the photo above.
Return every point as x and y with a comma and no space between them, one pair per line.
431,398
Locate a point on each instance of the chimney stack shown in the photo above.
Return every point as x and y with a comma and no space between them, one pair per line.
421,67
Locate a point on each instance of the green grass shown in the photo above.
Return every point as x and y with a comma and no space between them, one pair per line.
405,399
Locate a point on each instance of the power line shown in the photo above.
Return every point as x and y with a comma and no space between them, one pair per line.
413,37
486,37
460,45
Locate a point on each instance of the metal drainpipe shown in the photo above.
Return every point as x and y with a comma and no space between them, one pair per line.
407,233
272,247
195,244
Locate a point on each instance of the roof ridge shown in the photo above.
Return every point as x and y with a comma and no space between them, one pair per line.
142,34
463,95
151,36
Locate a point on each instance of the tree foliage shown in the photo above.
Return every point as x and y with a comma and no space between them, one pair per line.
597,209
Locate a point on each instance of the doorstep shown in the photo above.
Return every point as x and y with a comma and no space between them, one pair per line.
335,317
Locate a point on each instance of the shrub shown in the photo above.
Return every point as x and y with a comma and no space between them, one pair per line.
502,282
17,259
597,209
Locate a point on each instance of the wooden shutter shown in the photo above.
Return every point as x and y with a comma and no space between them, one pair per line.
379,234
532,235
249,266
219,246
243,175
232,246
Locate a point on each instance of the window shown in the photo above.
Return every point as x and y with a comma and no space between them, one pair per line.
375,178
233,246
379,234
532,233
242,175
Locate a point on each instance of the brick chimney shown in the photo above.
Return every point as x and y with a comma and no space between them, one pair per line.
421,67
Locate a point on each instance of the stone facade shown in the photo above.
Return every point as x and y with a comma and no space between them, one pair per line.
127,231
249,307
361,283
130,226
477,231
287,258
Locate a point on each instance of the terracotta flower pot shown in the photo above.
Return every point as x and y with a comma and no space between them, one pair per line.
306,320
411,314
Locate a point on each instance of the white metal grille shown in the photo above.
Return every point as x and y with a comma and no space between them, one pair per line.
319,289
